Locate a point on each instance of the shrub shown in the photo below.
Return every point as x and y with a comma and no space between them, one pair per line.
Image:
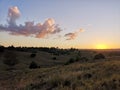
87,76
33,65
10,59
99,56
32,55
77,58
54,58
71,60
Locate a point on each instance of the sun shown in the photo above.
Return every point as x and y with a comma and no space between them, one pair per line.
101,46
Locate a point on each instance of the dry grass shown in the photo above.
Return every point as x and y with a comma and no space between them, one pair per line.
97,75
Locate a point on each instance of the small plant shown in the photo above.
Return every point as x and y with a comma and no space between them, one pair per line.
71,60
33,65
54,58
87,75
99,56
32,55
77,58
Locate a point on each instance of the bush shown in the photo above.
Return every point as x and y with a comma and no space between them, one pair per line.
33,65
71,60
77,58
32,55
87,76
99,56
10,59
54,58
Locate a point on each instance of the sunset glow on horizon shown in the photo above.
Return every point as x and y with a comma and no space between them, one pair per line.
83,24
102,46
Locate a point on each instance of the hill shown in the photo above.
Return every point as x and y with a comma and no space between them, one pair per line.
62,70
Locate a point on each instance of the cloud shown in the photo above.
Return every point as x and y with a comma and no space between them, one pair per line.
39,30
81,30
13,15
72,36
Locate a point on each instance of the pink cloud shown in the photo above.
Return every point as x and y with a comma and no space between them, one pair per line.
13,15
39,30
72,36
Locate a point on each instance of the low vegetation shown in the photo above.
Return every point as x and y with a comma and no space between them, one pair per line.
71,60
33,65
71,69
54,58
33,55
99,56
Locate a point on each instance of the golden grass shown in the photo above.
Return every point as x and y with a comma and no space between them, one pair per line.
98,75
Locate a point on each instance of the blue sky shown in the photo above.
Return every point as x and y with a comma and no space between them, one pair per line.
99,18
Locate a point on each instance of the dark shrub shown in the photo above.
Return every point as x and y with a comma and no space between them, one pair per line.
66,83
32,55
54,58
99,56
70,61
39,66
87,76
77,58
33,65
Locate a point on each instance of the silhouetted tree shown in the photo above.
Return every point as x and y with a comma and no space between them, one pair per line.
11,47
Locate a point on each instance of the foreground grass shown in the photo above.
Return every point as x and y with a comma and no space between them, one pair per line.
104,75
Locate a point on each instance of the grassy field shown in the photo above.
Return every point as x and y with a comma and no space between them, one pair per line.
78,70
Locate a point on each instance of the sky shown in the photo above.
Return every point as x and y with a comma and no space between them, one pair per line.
84,24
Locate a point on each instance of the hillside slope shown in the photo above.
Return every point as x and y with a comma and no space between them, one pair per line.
102,74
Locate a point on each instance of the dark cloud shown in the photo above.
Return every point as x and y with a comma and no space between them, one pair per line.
71,36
